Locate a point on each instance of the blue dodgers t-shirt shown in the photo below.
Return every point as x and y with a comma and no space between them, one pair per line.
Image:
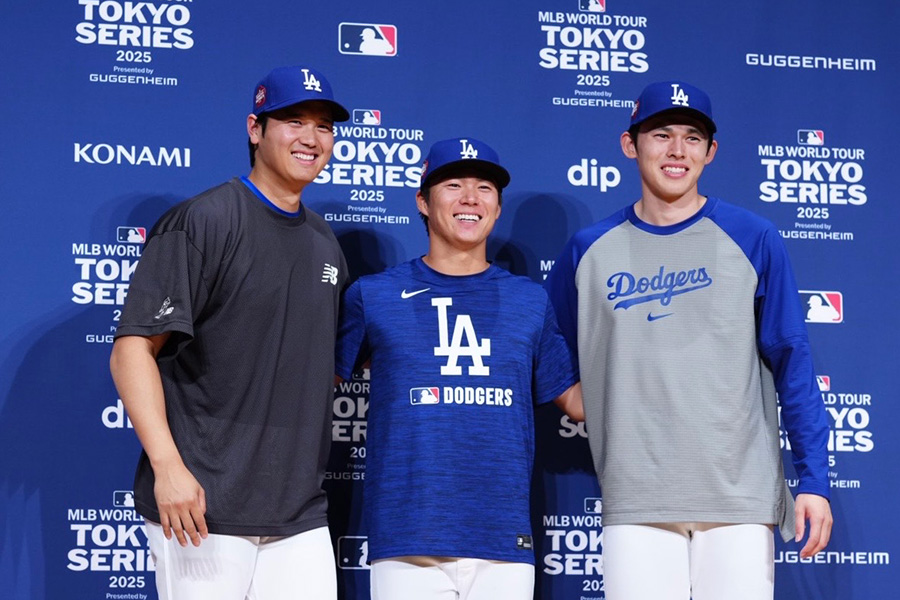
457,364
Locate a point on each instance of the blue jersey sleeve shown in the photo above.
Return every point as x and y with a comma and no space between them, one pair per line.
784,343
560,286
351,347
555,365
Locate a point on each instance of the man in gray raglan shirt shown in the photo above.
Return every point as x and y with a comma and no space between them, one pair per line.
686,319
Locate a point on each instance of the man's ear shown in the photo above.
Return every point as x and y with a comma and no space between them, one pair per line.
711,153
421,203
629,148
254,131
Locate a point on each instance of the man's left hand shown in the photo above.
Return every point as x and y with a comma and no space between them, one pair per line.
816,510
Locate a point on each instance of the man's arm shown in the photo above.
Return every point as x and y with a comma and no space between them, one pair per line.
571,402
179,497
783,341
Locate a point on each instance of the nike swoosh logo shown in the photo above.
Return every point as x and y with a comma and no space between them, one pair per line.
652,317
404,294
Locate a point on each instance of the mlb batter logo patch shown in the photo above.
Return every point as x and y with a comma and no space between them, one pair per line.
424,395
131,235
811,137
366,116
123,499
593,506
353,552
822,306
592,5
369,39
824,382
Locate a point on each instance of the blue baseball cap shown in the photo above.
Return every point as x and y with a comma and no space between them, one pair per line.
675,96
462,154
286,86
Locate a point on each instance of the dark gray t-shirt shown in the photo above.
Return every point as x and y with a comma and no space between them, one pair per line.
250,296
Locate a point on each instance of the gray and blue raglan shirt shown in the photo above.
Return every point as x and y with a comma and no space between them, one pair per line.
684,335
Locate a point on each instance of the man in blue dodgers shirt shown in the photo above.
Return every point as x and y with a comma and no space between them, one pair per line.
686,319
224,361
460,352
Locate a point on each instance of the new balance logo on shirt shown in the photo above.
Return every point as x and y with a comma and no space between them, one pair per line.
330,274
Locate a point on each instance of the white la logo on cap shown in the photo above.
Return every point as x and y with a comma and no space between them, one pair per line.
467,150
678,96
310,82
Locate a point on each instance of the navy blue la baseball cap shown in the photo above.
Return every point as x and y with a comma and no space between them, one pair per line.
462,154
286,86
675,96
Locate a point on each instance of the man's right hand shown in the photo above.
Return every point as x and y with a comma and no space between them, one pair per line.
179,496
182,504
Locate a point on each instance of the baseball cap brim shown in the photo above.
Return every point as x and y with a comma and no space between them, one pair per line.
482,168
339,114
687,112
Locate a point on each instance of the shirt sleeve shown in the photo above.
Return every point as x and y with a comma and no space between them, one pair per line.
167,291
351,347
784,344
560,286
555,366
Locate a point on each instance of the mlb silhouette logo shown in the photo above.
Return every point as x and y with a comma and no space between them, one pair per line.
353,552
424,395
592,5
131,235
366,116
123,499
811,137
824,382
369,39
593,506
822,306
362,374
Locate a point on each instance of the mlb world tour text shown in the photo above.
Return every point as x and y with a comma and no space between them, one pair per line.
109,539
615,45
574,546
104,280
804,174
369,161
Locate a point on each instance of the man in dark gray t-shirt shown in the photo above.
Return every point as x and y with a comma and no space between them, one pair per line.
224,360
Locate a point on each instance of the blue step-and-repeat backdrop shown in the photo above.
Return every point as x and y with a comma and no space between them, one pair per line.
117,110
